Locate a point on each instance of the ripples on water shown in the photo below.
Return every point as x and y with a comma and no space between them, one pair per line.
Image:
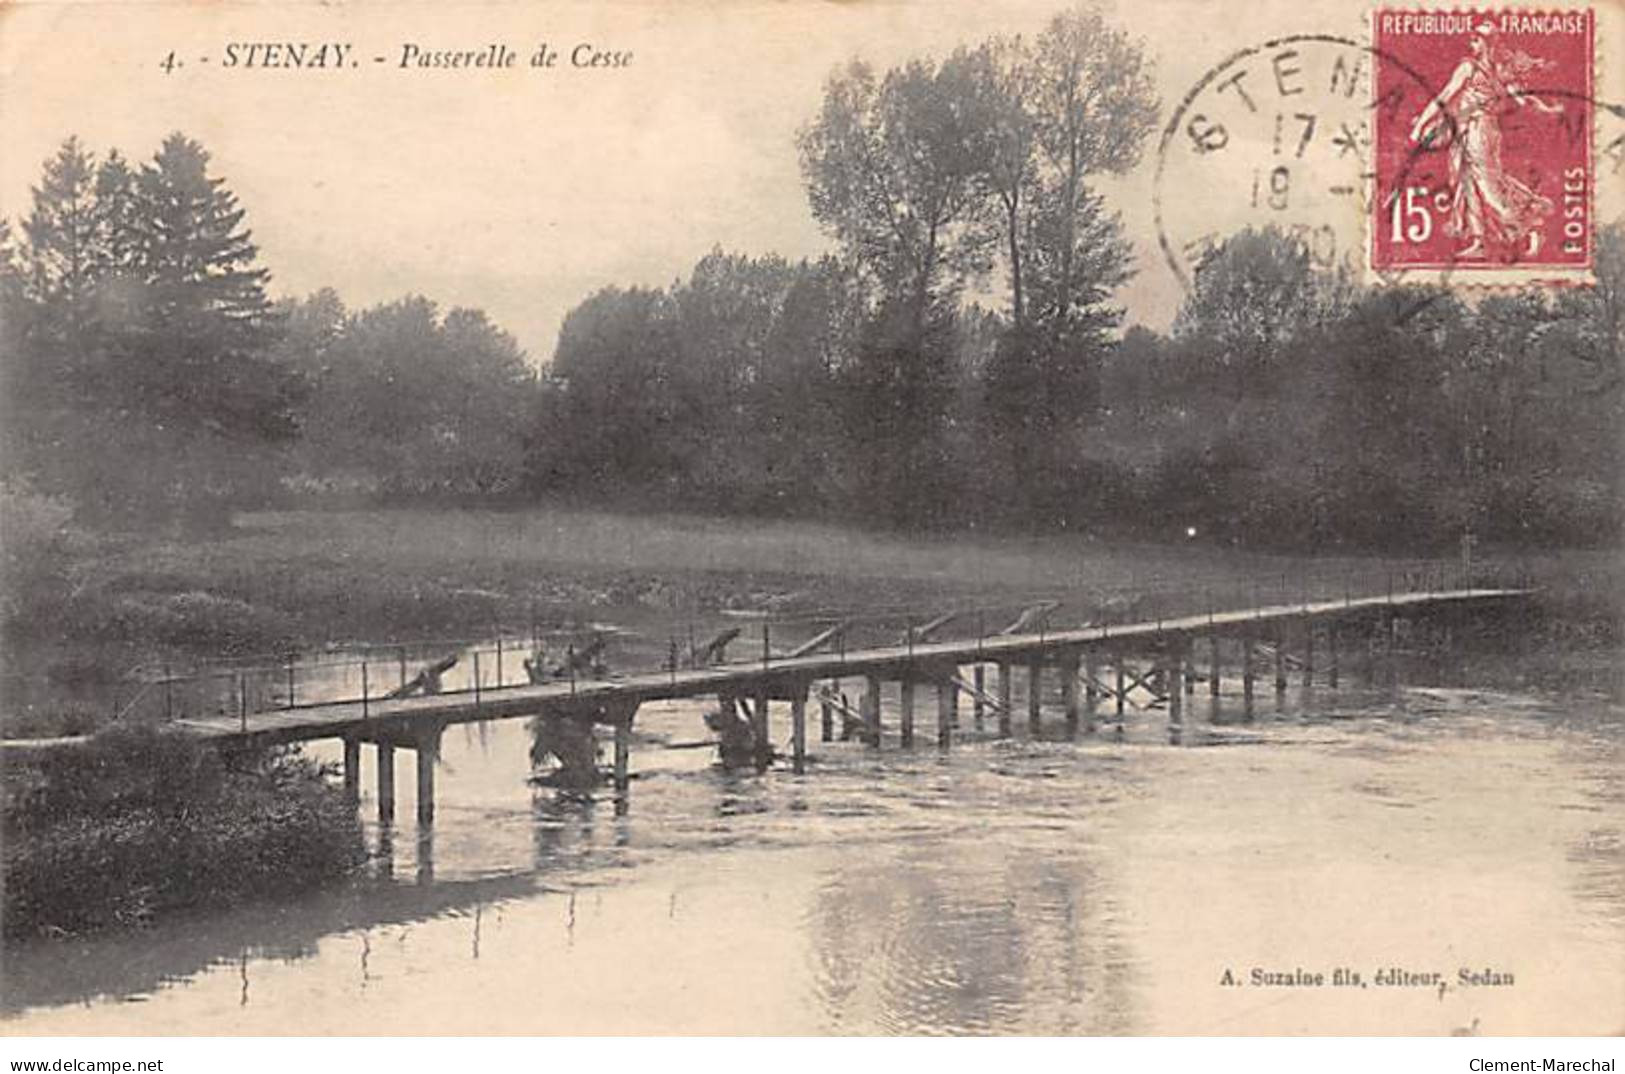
1100,886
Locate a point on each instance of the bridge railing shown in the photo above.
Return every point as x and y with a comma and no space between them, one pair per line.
366,674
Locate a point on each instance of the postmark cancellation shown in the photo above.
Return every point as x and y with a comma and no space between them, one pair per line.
1450,146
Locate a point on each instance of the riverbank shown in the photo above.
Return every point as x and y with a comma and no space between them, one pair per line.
140,824
287,582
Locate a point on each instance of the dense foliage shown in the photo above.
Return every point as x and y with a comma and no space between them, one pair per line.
141,822
956,362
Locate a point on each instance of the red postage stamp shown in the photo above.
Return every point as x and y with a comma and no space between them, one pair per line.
1482,143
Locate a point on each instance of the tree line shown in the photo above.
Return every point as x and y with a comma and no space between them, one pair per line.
956,361
148,378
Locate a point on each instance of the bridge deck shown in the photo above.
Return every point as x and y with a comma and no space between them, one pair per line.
387,719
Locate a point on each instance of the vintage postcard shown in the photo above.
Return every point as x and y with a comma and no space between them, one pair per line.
826,519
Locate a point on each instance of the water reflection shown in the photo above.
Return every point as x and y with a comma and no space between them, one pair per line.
1036,885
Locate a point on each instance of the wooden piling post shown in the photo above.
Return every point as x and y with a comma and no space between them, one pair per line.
1069,689
760,731
1122,691
428,758
1006,698
623,749
1175,669
871,708
1308,653
1091,691
1280,661
1393,649
1035,691
1247,665
798,730
979,680
1213,672
386,783
826,714
947,704
1331,654
906,700
352,768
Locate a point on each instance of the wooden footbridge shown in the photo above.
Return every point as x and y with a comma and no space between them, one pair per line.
1093,664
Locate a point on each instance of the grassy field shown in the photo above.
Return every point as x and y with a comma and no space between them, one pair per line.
388,575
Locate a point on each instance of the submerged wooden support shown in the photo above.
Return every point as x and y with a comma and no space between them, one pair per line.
1091,691
1248,660
623,754
798,731
826,715
760,732
1308,653
1174,668
1006,698
428,757
352,768
947,706
1393,649
979,704
1035,690
386,783
906,703
1069,688
1331,655
1213,671
871,709
1280,661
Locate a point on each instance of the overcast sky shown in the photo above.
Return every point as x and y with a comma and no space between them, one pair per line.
521,191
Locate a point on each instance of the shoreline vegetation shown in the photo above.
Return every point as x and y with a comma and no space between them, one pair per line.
141,823
82,610
158,405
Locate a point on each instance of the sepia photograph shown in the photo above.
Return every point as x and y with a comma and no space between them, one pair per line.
879,518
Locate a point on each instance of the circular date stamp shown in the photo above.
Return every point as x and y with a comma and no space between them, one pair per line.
1416,156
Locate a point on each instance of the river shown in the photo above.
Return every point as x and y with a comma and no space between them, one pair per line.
1099,886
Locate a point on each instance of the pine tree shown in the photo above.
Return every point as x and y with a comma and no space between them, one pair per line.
62,253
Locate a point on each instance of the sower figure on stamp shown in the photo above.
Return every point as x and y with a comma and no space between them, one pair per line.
1489,207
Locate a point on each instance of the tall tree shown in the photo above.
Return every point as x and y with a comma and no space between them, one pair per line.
1093,103
195,359
62,253
150,316
894,169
